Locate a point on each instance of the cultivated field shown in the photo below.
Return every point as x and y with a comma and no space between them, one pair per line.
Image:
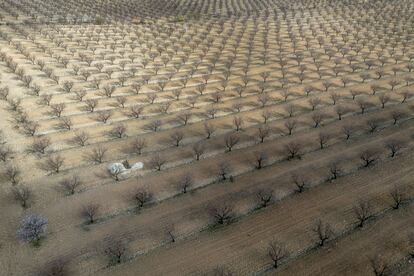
276,137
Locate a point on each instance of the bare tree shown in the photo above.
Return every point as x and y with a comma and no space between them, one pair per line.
314,102
90,211
32,229
5,152
223,170
90,105
277,251
394,146
362,212
323,232
156,162
154,125
97,154
198,149
184,118
176,137
263,132
142,196
323,139
53,163
65,123
118,131
79,95
135,111
335,169
396,116
264,196
80,138
260,159
300,182
103,116
138,145
348,130
70,184
238,122
116,250
57,109
398,195
378,265
317,118
12,173
222,213
39,145
231,140
368,156
185,182
290,125
293,149
209,129
22,194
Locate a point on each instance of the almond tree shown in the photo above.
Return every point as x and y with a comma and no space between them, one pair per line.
277,251
323,232
90,211
142,196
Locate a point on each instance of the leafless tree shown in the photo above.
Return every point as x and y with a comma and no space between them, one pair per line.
335,169
293,149
5,152
378,265
368,156
263,132
362,212
398,195
46,99
12,173
108,90
198,149
397,115
90,105
65,123
30,128
154,125
138,145
290,125
79,95
185,182
260,159
394,146
317,118
22,194
223,170
118,131
383,98
97,154
135,111
80,138
70,184
142,196
277,251
348,130
90,211
314,102
238,122
335,97
231,140
53,163
176,137
209,129
266,115
157,161
323,232
116,250
323,139
57,109
39,145
184,118
103,116
290,109
300,182
264,197
373,124
222,213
